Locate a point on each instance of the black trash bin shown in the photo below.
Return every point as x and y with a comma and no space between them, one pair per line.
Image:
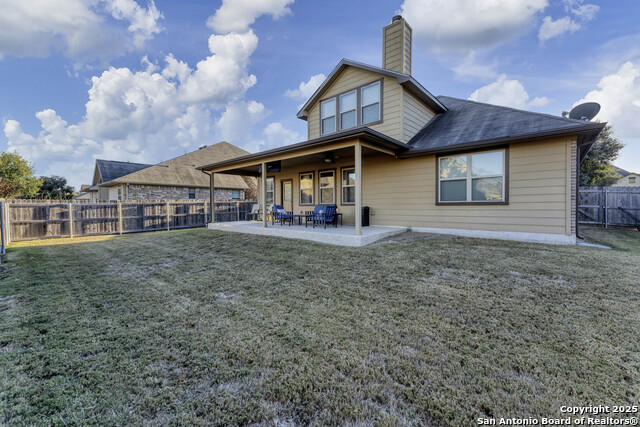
365,216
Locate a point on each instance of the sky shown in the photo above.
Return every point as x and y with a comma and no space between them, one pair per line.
148,81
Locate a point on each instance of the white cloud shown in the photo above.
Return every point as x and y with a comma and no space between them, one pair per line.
551,28
236,122
471,67
581,12
306,89
238,15
75,27
463,25
619,96
509,93
276,135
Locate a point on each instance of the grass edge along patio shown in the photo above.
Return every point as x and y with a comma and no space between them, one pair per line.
378,138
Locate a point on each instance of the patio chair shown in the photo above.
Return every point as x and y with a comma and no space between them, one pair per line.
323,214
254,215
279,213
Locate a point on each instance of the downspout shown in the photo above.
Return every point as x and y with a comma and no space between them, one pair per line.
578,161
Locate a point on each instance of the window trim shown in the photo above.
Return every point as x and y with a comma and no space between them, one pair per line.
358,90
505,177
361,105
313,188
339,108
342,202
273,177
334,187
335,115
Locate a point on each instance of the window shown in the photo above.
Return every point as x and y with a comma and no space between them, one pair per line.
370,103
632,180
235,194
348,110
192,193
327,187
119,193
306,188
348,186
359,106
328,115
478,177
270,191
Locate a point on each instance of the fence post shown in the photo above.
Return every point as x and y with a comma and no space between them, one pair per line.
206,210
606,209
238,209
7,207
168,218
120,222
70,207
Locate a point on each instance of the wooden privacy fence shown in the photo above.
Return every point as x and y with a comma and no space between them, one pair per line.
41,219
601,206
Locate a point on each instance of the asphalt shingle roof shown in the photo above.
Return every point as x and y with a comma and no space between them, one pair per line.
111,169
469,122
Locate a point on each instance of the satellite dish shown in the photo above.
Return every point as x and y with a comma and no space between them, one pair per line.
586,111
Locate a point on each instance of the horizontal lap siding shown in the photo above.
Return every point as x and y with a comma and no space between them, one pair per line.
403,192
416,116
352,78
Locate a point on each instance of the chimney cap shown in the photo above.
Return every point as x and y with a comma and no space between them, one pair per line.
396,18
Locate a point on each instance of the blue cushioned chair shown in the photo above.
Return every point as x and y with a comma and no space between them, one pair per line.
278,213
323,214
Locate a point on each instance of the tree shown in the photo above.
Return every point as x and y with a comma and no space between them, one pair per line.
596,169
16,177
55,187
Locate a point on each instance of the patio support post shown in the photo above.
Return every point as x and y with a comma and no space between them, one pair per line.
212,197
263,195
358,166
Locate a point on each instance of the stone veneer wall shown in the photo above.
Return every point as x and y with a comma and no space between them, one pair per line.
155,192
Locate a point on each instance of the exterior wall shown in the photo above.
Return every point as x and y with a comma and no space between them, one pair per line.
103,193
415,114
157,192
353,77
540,186
396,47
292,173
624,181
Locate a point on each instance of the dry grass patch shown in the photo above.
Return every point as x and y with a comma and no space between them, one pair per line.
204,327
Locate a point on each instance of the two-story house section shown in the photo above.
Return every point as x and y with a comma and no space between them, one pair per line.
378,138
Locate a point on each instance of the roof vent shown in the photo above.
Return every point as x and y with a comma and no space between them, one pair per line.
202,146
396,18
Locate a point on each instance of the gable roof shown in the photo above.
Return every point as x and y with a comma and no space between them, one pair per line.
469,123
181,171
112,169
405,80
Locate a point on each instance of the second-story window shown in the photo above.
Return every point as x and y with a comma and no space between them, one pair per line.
348,110
328,115
359,106
371,103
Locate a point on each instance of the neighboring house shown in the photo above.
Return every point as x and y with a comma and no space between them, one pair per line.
629,180
378,138
83,194
177,178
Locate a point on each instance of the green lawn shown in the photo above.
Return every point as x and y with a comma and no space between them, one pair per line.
205,327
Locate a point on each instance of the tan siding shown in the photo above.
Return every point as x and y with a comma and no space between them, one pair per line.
415,115
407,50
393,47
403,192
352,78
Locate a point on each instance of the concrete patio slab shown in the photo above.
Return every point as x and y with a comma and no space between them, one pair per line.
342,235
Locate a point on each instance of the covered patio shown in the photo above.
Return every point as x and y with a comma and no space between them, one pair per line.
341,236
324,171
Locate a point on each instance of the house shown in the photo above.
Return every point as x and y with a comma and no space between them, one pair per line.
83,194
177,178
376,137
630,179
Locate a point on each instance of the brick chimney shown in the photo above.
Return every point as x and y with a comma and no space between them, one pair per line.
396,46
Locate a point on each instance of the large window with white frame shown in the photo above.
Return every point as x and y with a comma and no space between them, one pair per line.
358,106
328,115
348,186
306,188
270,200
473,177
327,183
370,103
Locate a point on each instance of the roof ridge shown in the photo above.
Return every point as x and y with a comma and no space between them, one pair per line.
123,161
504,107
